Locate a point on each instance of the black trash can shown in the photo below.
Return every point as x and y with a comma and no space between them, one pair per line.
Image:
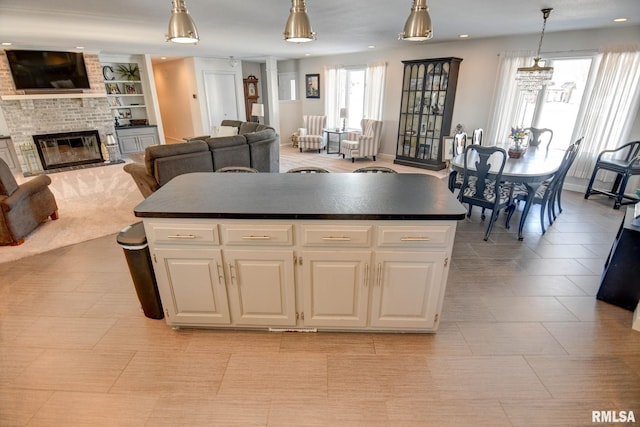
136,250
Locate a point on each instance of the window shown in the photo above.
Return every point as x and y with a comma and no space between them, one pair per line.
558,104
354,101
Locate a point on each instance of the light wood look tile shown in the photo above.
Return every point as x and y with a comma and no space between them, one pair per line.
94,409
509,339
379,377
522,342
591,377
73,370
197,410
497,377
437,413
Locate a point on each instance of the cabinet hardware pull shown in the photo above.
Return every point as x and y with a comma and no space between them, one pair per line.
181,236
233,276
415,239
379,274
366,274
220,275
446,262
252,237
339,239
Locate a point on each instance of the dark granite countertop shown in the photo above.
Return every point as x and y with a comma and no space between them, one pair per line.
135,126
333,196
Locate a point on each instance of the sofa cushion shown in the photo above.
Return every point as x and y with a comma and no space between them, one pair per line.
217,131
226,141
154,152
168,168
248,127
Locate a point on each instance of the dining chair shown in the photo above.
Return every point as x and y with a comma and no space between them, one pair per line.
374,169
536,136
557,197
308,169
548,192
460,142
476,137
237,169
483,187
624,164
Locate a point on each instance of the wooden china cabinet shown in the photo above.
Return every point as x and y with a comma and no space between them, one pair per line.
426,108
250,94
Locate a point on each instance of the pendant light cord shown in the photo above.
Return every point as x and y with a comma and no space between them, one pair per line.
545,15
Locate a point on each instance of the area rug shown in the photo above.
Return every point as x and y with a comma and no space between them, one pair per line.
92,203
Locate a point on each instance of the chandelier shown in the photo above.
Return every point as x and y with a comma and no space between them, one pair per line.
532,79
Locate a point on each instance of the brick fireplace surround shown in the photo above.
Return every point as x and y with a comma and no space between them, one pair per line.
33,115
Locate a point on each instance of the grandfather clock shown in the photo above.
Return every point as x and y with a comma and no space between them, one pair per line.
250,94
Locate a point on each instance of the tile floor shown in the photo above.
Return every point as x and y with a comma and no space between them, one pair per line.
523,342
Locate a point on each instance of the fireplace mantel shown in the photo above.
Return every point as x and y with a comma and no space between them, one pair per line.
26,101
52,96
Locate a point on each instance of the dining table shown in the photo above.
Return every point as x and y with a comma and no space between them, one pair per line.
536,165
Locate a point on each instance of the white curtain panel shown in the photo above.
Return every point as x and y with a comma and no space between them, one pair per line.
508,101
374,90
336,83
610,104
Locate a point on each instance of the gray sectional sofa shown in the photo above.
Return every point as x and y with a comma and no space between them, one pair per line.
256,146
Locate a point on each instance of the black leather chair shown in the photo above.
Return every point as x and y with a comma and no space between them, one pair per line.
625,162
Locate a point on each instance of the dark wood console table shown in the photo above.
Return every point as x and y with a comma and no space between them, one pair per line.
619,284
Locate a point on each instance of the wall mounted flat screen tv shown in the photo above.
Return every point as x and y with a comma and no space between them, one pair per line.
47,70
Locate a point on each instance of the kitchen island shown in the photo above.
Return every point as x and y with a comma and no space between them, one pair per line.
359,252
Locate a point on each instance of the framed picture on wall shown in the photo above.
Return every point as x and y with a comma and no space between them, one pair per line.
448,145
312,85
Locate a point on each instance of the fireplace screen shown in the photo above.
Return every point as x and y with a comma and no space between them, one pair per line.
59,150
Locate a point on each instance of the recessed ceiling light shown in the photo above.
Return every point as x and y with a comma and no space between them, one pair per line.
371,46
79,47
163,57
6,43
464,36
620,20
307,54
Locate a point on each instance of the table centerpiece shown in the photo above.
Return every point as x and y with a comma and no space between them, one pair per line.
518,148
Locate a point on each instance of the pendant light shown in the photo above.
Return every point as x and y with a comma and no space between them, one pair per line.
182,29
298,28
531,79
418,25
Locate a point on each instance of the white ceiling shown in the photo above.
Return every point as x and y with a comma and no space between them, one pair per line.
252,29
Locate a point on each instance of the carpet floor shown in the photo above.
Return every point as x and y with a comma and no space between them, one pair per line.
92,203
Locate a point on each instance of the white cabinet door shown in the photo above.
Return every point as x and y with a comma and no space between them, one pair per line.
406,289
335,288
192,286
261,287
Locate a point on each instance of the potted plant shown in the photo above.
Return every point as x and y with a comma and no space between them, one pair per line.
129,71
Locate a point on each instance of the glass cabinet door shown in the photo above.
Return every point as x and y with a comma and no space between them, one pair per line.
425,111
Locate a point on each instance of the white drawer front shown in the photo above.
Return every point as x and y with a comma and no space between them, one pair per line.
411,237
185,234
257,234
335,235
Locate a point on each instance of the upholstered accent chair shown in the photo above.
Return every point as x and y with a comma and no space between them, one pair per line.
363,144
313,138
23,207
